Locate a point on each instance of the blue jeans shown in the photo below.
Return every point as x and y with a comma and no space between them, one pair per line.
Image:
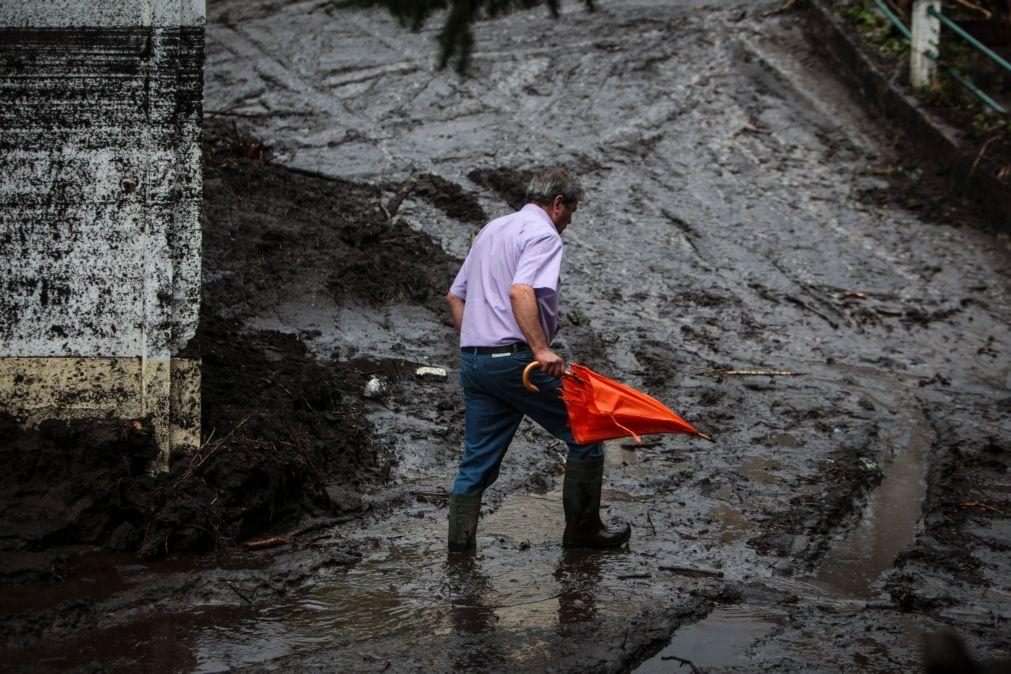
495,404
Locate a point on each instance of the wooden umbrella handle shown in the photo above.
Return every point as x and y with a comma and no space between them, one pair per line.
527,384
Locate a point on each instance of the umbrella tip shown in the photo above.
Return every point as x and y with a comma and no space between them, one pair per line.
705,437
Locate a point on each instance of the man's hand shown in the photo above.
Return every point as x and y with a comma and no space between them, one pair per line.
551,362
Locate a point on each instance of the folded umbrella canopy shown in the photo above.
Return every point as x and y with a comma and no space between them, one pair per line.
603,409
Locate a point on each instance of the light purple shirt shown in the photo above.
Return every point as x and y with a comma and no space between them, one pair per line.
523,247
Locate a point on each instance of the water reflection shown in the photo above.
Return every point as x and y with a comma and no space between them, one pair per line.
471,612
578,576
469,591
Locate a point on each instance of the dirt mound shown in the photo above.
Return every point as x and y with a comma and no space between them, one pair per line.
510,184
285,434
450,198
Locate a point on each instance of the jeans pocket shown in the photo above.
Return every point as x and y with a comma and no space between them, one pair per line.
524,358
503,365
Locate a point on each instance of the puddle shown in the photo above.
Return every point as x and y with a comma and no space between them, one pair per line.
782,440
889,521
413,595
156,642
93,575
733,524
760,470
529,518
722,639
401,595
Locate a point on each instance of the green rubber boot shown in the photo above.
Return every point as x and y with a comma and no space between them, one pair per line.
581,500
464,509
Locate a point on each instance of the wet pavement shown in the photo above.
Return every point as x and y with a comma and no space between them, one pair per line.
729,225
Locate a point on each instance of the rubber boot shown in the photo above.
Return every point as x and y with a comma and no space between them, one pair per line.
464,510
581,500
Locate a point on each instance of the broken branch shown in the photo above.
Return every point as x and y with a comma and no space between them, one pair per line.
265,543
755,373
981,506
687,663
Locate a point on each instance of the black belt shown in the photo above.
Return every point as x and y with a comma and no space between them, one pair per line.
506,348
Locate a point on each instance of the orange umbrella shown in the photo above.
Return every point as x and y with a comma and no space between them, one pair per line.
602,409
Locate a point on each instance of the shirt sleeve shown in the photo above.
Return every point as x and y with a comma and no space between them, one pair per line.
459,287
540,263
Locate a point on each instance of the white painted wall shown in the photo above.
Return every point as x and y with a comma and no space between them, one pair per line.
100,184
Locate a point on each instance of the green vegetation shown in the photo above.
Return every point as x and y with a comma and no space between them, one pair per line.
991,131
876,29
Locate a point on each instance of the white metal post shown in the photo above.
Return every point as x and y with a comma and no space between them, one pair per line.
926,40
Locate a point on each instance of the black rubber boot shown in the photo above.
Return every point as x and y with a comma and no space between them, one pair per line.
464,509
581,499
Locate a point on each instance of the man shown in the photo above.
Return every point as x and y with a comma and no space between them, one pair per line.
504,303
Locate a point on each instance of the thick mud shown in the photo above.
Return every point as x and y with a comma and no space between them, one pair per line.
743,216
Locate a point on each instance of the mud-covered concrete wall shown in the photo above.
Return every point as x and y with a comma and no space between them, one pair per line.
100,182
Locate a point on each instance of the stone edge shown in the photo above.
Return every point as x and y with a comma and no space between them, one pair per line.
893,101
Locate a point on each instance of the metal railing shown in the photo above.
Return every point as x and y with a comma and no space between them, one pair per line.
933,55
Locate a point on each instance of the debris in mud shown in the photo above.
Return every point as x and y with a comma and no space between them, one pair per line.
431,374
376,387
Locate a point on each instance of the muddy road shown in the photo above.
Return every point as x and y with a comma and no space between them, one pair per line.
742,214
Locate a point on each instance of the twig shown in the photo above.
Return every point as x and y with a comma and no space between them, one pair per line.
285,389
782,8
632,576
755,373
814,311
209,438
431,496
686,229
985,12
979,155
391,209
689,663
265,543
238,592
650,520
981,506
689,571
201,456
525,603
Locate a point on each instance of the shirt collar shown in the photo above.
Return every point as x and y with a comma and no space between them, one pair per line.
534,208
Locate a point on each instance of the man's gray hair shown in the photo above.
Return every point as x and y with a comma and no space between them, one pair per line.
550,183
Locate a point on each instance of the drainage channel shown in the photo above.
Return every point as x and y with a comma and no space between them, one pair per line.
847,574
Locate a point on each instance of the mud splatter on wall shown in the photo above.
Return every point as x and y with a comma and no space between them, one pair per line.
100,185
